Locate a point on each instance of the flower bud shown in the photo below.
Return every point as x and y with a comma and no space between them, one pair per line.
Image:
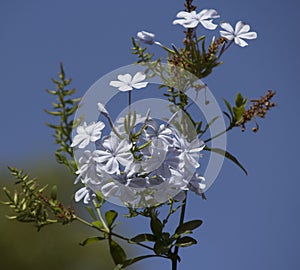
146,37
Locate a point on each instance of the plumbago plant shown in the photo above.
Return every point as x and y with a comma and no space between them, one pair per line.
147,165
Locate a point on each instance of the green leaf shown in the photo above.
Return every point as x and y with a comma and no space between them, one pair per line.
228,107
91,240
145,237
185,241
227,155
239,100
187,227
110,217
54,193
97,224
156,226
132,261
238,113
117,252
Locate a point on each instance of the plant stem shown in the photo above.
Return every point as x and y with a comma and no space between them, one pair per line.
111,233
181,220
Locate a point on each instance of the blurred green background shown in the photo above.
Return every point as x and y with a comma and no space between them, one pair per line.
55,246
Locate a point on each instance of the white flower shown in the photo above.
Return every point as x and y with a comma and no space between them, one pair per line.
190,152
240,32
192,19
102,109
112,152
87,133
87,167
197,184
126,82
84,193
146,37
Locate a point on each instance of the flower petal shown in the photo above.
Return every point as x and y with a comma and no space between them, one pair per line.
227,26
80,194
226,35
241,27
116,83
209,14
138,77
126,78
140,85
240,42
125,88
183,14
208,24
249,35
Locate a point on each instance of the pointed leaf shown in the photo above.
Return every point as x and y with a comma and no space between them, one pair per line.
110,217
227,155
239,100
132,261
228,107
185,241
145,237
54,193
117,252
91,240
156,226
189,226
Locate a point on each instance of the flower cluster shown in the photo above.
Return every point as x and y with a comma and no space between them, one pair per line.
190,20
142,161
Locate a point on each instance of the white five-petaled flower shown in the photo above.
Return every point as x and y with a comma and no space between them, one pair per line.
87,133
240,32
126,82
113,152
192,19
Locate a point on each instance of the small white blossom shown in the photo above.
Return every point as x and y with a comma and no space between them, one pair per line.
84,193
146,37
197,184
240,32
102,109
192,19
87,133
113,152
127,83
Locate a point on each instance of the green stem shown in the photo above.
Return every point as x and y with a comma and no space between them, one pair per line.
111,233
181,220
219,134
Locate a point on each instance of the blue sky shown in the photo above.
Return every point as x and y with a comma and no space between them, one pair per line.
250,222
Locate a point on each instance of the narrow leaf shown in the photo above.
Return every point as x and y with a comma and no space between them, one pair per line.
117,252
145,237
187,227
228,107
156,225
133,260
91,240
227,155
110,217
185,241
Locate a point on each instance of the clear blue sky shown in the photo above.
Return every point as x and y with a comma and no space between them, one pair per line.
250,222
